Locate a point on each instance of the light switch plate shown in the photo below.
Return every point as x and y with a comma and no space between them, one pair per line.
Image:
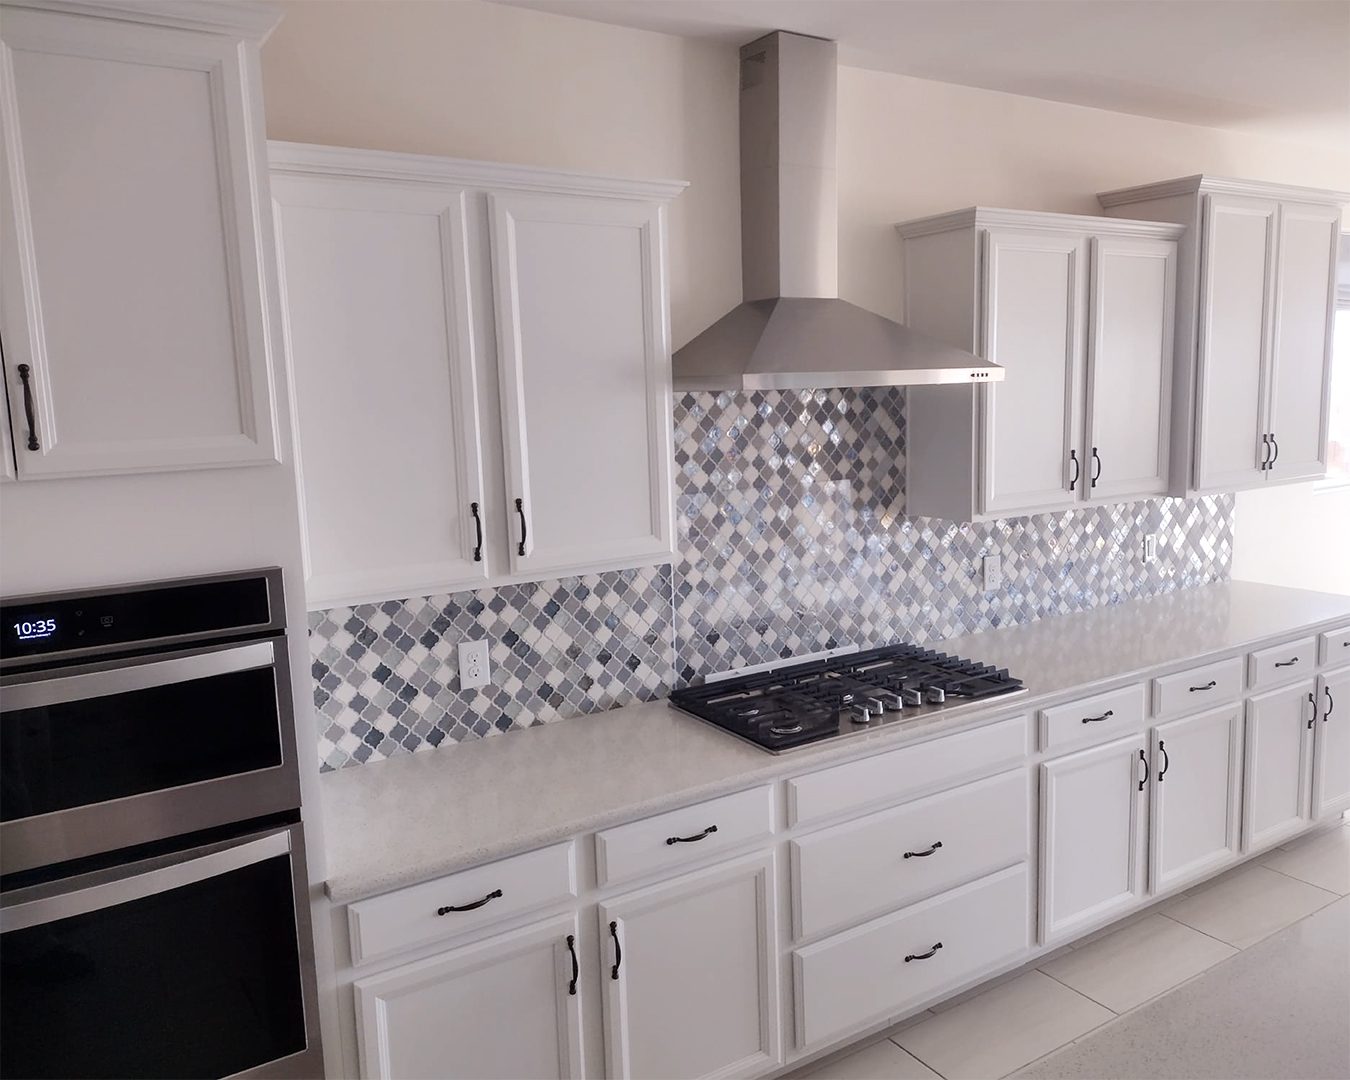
992,567
1150,547
474,667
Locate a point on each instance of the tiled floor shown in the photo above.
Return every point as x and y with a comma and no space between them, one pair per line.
1148,999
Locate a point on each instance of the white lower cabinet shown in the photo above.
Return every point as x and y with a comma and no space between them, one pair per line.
1195,795
1331,755
1092,835
1279,752
506,1008
690,973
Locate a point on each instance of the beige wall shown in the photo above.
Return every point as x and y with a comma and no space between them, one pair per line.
478,80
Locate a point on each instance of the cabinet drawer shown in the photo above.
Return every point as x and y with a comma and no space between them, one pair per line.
1093,719
682,836
885,966
1197,688
913,770
1281,663
422,913
1335,647
847,873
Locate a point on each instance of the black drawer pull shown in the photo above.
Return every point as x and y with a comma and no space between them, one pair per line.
478,532
923,955
1073,458
520,509
1097,472
576,968
493,895
1098,719
1208,686
691,839
1331,704
618,952
1312,700
1274,442
1286,663
1162,749
33,443
1143,758
923,854
1265,452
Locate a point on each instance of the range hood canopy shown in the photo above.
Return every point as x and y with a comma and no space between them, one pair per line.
793,331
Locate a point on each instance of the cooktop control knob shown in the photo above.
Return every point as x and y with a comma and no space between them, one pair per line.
910,696
875,704
859,714
935,695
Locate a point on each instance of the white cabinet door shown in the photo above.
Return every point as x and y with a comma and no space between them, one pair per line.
690,971
1237,276
1092,836
584,358
1195,796
1130,367
1279,756
375,283
1032,422
133,246
1331,756
508,1009
1305,289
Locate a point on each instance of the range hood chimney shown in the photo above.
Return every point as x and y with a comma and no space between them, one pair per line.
793,331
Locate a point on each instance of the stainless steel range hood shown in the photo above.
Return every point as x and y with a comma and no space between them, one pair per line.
793,331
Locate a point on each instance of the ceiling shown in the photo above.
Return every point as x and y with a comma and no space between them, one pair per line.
1279,67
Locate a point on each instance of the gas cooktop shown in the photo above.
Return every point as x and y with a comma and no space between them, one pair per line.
798,704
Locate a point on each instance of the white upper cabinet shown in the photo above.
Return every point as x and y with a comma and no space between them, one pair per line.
1253,327
481,367
584,368
376,293
1079,311
135,245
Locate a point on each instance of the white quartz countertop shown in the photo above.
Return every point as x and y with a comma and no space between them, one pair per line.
417,817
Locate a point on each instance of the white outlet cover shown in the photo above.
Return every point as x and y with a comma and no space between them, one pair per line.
992,570
1150,547
475,669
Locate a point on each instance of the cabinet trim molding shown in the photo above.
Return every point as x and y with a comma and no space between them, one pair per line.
1189,185
244,17
984,217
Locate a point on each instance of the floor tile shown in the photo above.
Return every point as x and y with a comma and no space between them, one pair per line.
1276,1010
880,1061
1138,962
1003,1029
1322,860
1109,929
1249,904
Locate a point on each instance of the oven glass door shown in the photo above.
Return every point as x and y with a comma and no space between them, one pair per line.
182,966
81,736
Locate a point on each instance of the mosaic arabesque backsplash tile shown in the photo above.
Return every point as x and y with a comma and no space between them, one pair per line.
790,513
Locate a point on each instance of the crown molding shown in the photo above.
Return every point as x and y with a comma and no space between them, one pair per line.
246,18
306,159
983,217
1201,184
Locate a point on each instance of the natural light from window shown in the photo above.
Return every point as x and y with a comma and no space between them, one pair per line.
1338,440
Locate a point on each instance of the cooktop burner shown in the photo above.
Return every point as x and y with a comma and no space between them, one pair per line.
791,706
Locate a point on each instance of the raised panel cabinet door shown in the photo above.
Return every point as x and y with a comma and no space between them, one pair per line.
506,1009
1278,771
134,241
1092,836
584,366
1129,414
1305,291
376,295
690,972
1237,273
1195,796
1032,422
1331,754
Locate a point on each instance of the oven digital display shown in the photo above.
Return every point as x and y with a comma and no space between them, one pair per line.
34,628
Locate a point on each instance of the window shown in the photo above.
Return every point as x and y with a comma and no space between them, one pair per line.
1338,439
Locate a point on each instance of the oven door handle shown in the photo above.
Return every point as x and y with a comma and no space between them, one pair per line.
33,693
135,882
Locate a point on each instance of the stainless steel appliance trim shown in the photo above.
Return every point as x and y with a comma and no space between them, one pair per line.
50,688
134,882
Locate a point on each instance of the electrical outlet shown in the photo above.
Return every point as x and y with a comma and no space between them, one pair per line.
1150,547
992,568
474,667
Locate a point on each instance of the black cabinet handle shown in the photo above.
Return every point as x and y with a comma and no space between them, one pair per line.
576,968
923,854
520,509
1287,663
1096,467
1265,452
618,952
1331,704
691,839
1162,749
1077,469
478,532
493,895
1098,719
1208,686
1143,758
924,955
1312,700
24,373
1276,444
